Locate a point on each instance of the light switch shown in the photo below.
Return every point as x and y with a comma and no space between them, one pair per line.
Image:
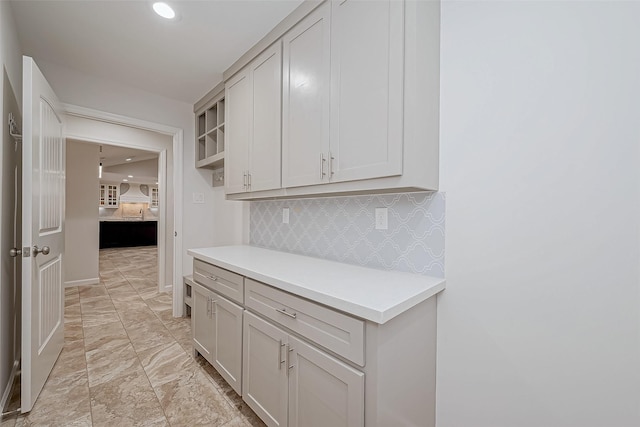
285,215
198,197
382,219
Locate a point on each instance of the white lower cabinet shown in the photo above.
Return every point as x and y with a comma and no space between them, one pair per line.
217,333
202,323
300,363
288,382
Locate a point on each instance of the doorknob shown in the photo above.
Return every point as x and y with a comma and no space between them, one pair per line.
44,251
14,252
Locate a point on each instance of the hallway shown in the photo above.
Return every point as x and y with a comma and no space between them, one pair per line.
128,362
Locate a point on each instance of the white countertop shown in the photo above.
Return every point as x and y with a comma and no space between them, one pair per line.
375,295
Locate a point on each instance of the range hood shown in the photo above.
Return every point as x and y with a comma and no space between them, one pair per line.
134,193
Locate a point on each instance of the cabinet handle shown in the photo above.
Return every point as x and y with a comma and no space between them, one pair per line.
249,185
244,181
208,306
289,350
280,356
283,311
213,304
214,278
322,160
331,159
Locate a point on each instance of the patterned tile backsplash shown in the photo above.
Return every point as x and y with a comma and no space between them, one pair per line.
343,229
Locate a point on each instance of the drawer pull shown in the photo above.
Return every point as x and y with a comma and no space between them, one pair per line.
214,278
282,311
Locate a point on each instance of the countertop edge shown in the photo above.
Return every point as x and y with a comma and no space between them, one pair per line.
350,307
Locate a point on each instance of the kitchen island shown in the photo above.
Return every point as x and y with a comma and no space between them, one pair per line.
124,233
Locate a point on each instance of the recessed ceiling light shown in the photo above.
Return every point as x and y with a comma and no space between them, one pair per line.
164,10
129,176
128,159
125,180
156,183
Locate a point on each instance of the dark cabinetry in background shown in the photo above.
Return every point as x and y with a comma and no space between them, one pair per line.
122,234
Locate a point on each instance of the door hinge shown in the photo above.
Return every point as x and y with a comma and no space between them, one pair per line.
26,252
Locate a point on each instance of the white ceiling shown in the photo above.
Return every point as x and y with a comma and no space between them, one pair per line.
112,155
124,41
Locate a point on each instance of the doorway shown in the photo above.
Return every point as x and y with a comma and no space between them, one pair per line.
108,129
10,271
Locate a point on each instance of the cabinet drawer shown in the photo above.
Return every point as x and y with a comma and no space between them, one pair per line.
228,284
333,330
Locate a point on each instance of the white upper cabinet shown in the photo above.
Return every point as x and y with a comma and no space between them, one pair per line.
253,115
360,90
305,100
366,89
238,106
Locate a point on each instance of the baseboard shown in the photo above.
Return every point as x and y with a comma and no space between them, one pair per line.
83,282
7,390
168,288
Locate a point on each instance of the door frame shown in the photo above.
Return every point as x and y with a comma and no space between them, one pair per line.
178,136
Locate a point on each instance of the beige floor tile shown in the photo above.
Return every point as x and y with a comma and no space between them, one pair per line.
149,334
160,302
137,317
128,361
118,360
194,401
164,364
127,400
90,292
63,401
96,335
73,331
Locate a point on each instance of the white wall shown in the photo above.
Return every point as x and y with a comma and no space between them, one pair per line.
540,133
215,222
81,215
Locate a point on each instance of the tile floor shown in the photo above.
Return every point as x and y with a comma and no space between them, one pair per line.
128,362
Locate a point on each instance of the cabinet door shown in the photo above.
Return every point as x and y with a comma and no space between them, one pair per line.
322,390
238,116
103,195
265,146
203,321
227,358
264,379
305,100
366,88
112,196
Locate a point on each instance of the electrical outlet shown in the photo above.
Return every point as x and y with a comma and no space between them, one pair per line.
382,219
285,215
198,197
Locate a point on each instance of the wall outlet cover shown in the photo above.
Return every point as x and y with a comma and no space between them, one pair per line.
198,198
382,219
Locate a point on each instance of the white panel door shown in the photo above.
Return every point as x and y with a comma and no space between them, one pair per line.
266,143
366,88
305,100
227,358
238,122
264,377
322,390
43,183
